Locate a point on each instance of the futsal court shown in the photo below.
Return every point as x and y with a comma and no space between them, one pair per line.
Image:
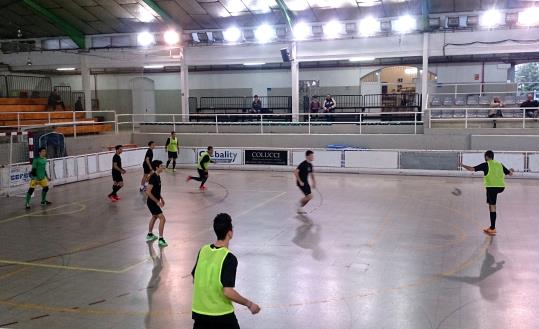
372,252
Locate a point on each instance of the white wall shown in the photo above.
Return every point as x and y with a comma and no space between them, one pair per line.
465,73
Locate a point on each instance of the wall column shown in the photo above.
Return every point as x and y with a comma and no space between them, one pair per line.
294,65
425,74
184,86
86,83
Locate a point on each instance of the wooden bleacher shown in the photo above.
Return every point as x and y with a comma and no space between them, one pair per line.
8,117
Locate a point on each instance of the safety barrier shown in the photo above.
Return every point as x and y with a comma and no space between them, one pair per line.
467,115
15,178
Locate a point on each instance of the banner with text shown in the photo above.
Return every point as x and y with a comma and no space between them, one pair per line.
266,157
224,155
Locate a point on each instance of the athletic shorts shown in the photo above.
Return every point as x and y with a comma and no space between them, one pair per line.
172,155
146,169
306,189
117,177
492,194
228,321
154,207
43,183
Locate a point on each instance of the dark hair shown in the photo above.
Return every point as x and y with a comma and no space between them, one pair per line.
210,148
256,95
117,147
309,152
172,132
150,143
222,224
41,149
156,164
489,154
315,97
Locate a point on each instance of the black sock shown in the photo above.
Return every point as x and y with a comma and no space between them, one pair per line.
492,220
114,190
168,162
173,164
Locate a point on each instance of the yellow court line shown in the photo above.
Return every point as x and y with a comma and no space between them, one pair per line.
379,232
82,207
12,273
35,213
73,268
260,205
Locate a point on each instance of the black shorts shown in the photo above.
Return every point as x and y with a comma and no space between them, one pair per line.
172,155
492,194
228,321
146,169
306,189
154,207
117,177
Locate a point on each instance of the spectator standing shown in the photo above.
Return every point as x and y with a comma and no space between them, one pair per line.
530,106
329,106
54,100
78,104
495,110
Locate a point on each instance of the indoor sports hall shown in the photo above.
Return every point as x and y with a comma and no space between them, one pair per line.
269,164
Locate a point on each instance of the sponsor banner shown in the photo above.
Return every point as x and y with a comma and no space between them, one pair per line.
266,157
20,175
224,155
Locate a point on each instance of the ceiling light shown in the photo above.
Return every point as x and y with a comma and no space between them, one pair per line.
145,39
405,24
529,17
145,16
333,29
171,37
154,66
264,33
66,69
368,3
362,59
369,26
232,34
410,70
297,5
301,31
254,63
491,18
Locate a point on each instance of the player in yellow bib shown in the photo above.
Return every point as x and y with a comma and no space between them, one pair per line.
494,182
172,146
214,279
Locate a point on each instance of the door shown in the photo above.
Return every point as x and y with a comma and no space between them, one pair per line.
143,94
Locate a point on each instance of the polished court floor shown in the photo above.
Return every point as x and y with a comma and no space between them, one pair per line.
373,252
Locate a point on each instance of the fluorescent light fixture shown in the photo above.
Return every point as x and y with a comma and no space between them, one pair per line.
362,59
405,24
369,26
171,37
264,33
145,39
410,70
254,63
301,31
232,34
333,29
491,18
154,66
529,17
66,69
368,3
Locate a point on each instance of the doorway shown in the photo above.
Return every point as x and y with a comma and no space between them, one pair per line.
143,94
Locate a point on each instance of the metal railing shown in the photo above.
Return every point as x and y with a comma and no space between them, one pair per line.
469,115
20,86
106,117
310,120
240,104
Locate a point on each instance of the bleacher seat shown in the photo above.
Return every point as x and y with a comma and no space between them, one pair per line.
521,99
449,101
436,101
484,101
472,100
460,100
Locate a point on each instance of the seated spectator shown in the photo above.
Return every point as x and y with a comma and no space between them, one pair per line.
495,111
256,106
315,105
531,106
54,100
329,106
78,104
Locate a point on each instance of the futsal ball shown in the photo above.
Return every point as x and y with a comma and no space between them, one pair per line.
456,192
